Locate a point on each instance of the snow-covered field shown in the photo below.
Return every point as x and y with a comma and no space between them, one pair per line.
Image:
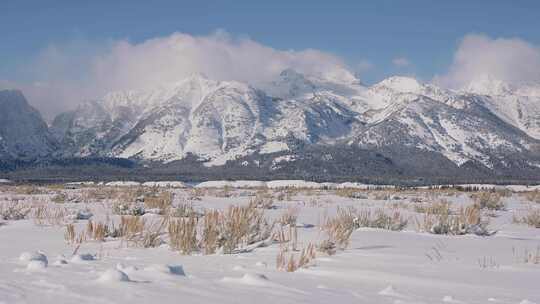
397,258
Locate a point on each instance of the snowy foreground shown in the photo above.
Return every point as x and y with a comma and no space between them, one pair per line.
402,262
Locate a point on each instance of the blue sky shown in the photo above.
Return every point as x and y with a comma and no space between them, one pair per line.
375,38
425,32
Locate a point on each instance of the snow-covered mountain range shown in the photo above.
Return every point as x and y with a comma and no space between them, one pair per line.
489,122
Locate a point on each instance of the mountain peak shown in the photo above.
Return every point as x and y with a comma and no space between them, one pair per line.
290,83
401,84
290,74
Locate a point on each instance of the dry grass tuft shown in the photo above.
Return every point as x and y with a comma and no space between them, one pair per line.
59,198
528,256
230,231
242,226
14,210
531,217
70,235
49,215
379,219
351,193
287,235
338,230
439,207
133,209
97,231
183,235
288,261
210,241
160,200
29,190
130,228
489,200
262,200
532,196
442,221
289,217
184,210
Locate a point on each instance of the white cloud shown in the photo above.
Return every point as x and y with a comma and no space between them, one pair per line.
512,60
67,74
401,62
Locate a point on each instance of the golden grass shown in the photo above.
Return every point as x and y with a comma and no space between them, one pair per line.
290,262
443,221
489,200
439,207
160,200
531,217
229,230
183,210
43,214
338,230
210,241
290,216
243,225
130,228
262,200
532,196
97,231
70,235
380,219
183,235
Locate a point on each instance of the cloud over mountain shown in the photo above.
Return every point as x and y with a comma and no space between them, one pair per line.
511,60
64,74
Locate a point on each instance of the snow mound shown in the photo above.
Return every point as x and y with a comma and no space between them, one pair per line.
261,264
113,275
5,181
232,184
123,184
277,184
294,184
248,184
88,183
80,215
239,268
450,299
166,184
60,261
214,184
83,257
36,265
390,291
33,256
166,269
249,279
126,269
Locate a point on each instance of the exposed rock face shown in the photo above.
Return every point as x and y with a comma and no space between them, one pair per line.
23,132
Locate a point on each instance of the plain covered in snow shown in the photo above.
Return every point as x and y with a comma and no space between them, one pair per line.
401,265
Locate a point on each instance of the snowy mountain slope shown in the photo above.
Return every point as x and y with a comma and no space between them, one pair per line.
23,132
471,133
518,106
219,121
